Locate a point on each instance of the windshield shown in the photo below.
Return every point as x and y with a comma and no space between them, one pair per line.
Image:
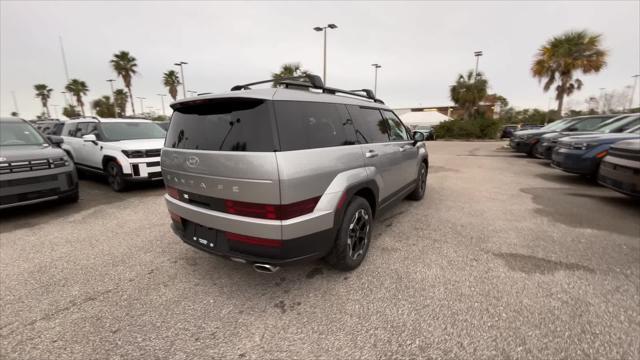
118,131
620,123
19,133
556,124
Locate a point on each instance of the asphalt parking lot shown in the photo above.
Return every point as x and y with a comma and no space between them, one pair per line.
505,258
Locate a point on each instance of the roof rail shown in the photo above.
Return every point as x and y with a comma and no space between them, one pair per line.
84,117
314,82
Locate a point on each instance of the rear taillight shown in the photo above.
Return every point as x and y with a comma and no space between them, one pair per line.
602,154
173,192
271,212
253,240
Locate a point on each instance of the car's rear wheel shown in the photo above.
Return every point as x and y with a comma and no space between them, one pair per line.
354,236
114,177
421,186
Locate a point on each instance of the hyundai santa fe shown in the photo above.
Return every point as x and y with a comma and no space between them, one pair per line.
280,175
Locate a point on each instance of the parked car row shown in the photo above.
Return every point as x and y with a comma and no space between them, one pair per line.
508,130
602,147
35,167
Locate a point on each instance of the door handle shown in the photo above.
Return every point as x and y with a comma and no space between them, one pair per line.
371,154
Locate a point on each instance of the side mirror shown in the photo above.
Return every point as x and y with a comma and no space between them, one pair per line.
55,140
90,138
418,136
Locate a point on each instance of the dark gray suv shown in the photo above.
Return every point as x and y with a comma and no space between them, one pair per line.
286,174
32,168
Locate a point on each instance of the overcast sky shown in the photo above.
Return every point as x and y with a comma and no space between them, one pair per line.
421,46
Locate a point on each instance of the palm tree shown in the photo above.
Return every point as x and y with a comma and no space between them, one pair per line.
560,57
44,93
125,66
468,91
120,99
103,107
171,80
288,70
78,88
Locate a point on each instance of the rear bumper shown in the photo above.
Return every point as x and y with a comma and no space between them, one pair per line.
575,161
305,248
37,186
302,238
620,175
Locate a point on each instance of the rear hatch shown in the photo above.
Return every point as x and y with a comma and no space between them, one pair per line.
223,148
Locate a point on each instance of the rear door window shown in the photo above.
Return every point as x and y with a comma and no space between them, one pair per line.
371,127
310,125
230,124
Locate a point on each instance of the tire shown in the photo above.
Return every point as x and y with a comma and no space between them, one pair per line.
357,224
421,187
114,176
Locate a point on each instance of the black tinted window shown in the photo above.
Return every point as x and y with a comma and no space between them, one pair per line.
227,125
70,130
371,127
310,125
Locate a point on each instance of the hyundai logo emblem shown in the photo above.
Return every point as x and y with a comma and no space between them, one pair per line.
193,161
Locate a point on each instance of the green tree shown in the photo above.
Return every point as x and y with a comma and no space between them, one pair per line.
468,91
104,107
171,81
70,111
120,98
78,88
43,92
125,66
562,56
288,70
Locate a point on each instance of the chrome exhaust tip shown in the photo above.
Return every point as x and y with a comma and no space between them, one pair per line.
265,268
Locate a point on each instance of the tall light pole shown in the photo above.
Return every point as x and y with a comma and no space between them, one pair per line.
375,78
477,54
55,110
15,102
113,97
602,109
162,101
64,95
184,84
633,90
141,102
324,56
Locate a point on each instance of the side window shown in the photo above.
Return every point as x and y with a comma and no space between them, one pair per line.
588,124
92,129
371,127
70,130
82,129
310,125
397,131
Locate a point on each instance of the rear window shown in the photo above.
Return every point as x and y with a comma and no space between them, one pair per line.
238,124
310,125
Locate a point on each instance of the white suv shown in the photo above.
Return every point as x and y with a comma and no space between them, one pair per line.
122,149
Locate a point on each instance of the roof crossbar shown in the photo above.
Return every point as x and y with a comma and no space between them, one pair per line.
314,82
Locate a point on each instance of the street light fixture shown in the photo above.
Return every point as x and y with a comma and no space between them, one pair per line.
477,54
113,97
375,77
192,92
162,101
324,63
184,84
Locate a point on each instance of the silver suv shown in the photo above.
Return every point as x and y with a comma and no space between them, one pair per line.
291,173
